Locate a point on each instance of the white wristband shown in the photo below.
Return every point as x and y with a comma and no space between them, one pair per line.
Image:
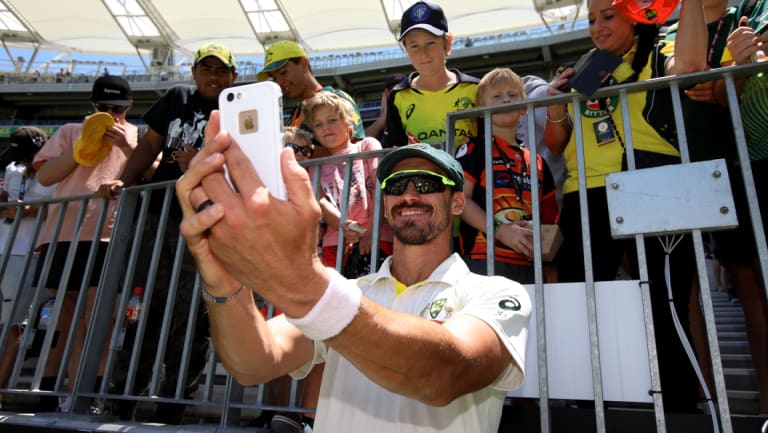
333,312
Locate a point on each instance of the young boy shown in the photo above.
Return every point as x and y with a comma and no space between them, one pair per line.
417,106
512,201
331,119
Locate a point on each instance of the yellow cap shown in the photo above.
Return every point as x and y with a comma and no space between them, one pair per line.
277,55
216,50
92,147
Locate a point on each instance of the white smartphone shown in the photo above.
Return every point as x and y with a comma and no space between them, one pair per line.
253,116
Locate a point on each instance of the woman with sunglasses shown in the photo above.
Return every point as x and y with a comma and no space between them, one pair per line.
56,164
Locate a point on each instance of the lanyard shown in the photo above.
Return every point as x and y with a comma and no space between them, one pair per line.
714,41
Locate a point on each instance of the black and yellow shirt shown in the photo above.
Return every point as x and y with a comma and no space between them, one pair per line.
652,123
419,116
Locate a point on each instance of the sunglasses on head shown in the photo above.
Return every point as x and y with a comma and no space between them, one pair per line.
426,182
117,109
306,151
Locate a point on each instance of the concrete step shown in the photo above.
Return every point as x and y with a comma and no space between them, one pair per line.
736,360
743,401
732,336
728,319
744,379
734,347
738,369
731,327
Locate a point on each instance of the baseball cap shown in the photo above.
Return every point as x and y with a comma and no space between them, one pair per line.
92,147
646,11
217,50
111,89
25,142
441,158
393,79
423,15
277,55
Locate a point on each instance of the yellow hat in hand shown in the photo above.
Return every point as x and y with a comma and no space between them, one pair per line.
91,147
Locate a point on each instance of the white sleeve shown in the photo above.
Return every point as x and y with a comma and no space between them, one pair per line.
506,307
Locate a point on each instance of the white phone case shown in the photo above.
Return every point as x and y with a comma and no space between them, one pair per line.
253,116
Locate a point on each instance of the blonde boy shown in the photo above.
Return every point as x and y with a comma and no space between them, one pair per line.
332,120
512,200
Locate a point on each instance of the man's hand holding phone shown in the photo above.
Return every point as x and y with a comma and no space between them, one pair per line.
246,236
253,116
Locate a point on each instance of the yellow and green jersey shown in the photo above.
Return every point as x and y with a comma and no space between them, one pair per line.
419,116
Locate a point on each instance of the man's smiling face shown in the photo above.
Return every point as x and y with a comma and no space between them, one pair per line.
415,218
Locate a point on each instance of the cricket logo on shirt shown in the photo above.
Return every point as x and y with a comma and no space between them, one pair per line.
438,310
463,103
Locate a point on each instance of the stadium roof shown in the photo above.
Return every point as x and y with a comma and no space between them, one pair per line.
146,27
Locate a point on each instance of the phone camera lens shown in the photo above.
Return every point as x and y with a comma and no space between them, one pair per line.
230,97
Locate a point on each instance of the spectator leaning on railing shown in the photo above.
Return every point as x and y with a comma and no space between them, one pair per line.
640,58
176,122
76,170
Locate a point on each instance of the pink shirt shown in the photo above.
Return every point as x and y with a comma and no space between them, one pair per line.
361,192
82,180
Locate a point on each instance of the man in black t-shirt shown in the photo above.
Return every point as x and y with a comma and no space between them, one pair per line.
176,123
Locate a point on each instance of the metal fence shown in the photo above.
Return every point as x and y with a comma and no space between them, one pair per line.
219,400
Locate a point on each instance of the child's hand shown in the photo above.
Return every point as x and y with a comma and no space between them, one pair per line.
353,231
517,236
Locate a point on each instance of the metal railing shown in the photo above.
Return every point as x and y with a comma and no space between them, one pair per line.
675,84
219,399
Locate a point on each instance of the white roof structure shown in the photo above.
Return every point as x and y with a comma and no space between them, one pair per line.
247,26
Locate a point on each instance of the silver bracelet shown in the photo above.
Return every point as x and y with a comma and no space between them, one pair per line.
217,300
549,119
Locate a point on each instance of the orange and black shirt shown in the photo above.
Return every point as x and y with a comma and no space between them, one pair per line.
512,199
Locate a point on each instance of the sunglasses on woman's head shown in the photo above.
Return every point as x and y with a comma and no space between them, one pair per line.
306,151
425,181
117,109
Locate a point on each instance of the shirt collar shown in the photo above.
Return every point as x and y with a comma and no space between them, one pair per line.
624,70
448,273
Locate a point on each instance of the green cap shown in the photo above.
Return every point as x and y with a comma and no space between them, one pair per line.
278,55
447,163
215,50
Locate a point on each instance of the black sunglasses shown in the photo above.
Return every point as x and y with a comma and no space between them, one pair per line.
306,151
117,109
426,182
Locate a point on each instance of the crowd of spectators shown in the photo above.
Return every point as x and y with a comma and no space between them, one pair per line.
327,122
